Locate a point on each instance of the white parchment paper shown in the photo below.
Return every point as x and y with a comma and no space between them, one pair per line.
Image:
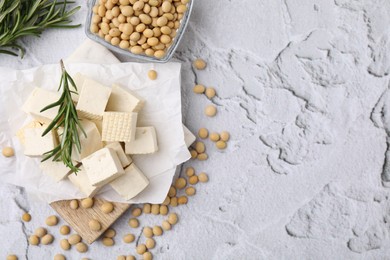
162,110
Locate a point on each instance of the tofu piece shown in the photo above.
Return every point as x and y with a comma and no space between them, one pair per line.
99,125
124,100
119,126
78,79
81,181
90,144
35,144
189,137
124,158
103,166
145,141
93,99
56,170
20,132
38,99
131,183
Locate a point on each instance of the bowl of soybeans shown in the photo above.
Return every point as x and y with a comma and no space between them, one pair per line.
148,30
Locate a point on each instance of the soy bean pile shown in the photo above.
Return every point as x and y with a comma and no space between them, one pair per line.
145,27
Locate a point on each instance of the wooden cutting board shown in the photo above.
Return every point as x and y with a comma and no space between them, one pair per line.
78,218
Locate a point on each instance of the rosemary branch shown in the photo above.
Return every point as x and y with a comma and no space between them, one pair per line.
20,18
68,120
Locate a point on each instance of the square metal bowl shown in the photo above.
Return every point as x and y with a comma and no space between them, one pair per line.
169,52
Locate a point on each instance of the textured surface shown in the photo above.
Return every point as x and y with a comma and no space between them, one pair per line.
303,88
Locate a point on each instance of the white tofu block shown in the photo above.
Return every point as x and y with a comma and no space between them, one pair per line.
103,166
145,141
81,181
131,183
20,132
189,137
38,99
99,125
89,144
119,126
78,79
93,99
35,144
56,170
124,158
124,100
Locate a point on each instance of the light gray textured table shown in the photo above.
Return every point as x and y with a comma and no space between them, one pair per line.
299,87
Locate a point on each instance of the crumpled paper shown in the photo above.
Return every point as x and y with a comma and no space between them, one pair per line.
162,110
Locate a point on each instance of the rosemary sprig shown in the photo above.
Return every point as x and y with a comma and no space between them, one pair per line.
20,18
68,120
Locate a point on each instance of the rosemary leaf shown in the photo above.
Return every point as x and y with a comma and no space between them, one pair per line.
67,120
19,18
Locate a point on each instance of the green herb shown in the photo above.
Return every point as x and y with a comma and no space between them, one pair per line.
20,18
68,121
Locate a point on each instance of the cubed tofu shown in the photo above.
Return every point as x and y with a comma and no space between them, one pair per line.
35,144
90,143
124,100
189,138
131,183
93,99
20,132
145,141
81,181
124,158
56,170
99,125
38,99
78,79
119,126
103,166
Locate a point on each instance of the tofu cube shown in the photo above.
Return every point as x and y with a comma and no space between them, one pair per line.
124,158
90,143
93,99
145,141
20,132
35,144
103,167
38,99
124,100
131,183
81,181
56,170
119,126
78,79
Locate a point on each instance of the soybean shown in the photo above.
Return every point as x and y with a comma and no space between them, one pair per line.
64,243
210,110
26,217
74,239
87,203
94,225
47,239
200,64
108,241
74,204
129,238
152,74
203,177
199,89
107,207
64,230
81,247
52,220
109,233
